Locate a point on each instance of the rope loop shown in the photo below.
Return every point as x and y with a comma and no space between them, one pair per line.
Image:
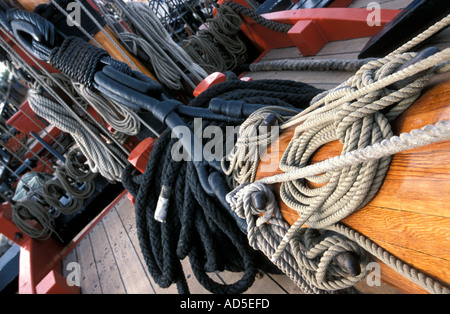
376,100
80,60
329,261
34,32
28,210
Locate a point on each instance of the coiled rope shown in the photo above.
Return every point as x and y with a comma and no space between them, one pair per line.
122,119
311,267
351,113
167,58
218,48
28,210
99,160
197,225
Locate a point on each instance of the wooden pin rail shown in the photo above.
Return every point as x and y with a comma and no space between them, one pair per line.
410,215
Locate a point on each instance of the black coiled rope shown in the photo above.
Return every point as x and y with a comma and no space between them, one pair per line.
283,93
197,225
80,60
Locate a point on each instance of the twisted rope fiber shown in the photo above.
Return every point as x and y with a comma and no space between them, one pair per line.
33,210
73,172
99,160
242,163
342,114
120,118
53,191
168,59
67,182
272,25
358,124
219,47
77,169
422,280
309,65
312,267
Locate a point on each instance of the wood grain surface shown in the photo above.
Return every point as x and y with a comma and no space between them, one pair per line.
409,216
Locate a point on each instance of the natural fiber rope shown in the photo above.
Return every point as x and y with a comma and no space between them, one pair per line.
219,47
242,163
357,125
312,270
308,65
54,190
351,113
99,160
33,210
422,280
122,119
166,56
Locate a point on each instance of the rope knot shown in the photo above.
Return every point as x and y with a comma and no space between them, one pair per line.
329,260
256,203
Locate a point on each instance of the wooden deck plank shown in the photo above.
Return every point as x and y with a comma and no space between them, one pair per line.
109,276
70,257
128,263
90,282
262,284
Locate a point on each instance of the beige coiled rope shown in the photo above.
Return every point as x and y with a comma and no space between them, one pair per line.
351,113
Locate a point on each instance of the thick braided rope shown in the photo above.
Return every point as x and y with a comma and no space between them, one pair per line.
272,25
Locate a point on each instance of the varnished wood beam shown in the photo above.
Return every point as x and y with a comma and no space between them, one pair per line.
410,215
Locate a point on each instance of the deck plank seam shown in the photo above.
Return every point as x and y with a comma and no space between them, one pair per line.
114,256
144,267
95,262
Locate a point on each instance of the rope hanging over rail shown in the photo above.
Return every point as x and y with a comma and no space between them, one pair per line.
99,160
168,59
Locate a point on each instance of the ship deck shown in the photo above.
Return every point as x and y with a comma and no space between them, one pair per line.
109,253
